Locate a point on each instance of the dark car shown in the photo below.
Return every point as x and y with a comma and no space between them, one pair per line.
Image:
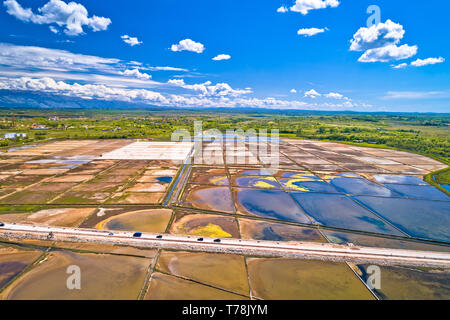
159,237
200,239
2,224
216,240
137,234
110,234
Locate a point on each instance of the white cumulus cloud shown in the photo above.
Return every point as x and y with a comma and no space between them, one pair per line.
335,95
188,45
132,41
425,62
282,9
399,66
222,57
331,95
308,32
388,53
304,6
208,89
135,73
72,16
312,94
293,91
380,43
54,30
377,36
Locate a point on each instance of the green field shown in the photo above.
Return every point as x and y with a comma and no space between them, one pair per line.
426,134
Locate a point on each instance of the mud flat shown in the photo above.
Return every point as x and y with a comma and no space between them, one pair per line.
408,283
219,270
304,279
13,261
103,277
167,287
62,217
152,220
137,198
204,225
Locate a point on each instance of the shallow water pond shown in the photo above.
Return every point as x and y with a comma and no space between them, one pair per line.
269,204
308,186
380,242
418,218
261,230
208,198
164,179
419,192
361,187
336,210
399,179
306,176
256,182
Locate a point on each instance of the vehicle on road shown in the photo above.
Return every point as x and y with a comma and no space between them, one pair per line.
2,224
137,234
200,239
216,240
159,237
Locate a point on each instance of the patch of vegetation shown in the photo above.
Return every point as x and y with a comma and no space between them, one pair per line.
438,178
19,209
426,134
442,176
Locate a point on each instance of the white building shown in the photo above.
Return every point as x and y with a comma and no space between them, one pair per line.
14,135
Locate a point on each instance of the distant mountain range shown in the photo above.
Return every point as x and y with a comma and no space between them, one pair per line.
35,100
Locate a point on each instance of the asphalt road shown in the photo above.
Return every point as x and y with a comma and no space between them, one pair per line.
229,245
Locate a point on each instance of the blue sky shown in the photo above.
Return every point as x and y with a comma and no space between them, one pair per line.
115,50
